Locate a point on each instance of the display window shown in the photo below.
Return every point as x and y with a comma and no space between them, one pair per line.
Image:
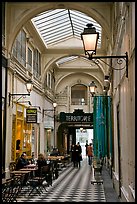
21,134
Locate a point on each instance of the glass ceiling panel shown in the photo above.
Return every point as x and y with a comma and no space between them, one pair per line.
58,25
66,59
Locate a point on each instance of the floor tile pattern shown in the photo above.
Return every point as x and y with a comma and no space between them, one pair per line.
72,185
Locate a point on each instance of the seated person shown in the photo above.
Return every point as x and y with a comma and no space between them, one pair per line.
41,162
44,169
22,161
55,152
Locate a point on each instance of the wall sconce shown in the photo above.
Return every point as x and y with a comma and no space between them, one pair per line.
54,107
29,86
92,87
106,78
90,38
81,129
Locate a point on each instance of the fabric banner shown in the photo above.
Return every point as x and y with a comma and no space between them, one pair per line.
102,126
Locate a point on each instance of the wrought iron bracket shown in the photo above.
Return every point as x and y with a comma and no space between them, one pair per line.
120,60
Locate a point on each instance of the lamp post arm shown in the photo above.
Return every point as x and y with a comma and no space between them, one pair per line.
17,94
119,61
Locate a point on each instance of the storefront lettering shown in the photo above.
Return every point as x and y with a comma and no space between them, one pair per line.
31,115
31,111
78,118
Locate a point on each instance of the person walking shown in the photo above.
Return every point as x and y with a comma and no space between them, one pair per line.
73,154
78,154
86,145
90,153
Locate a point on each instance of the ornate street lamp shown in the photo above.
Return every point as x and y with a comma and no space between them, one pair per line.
90,38
92,87
29,86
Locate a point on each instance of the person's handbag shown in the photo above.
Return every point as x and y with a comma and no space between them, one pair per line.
80,157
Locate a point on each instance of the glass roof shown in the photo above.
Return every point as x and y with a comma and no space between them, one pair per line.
55,26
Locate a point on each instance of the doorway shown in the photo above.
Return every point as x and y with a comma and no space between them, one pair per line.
83,136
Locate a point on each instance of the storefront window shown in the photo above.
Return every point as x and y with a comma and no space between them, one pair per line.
21,134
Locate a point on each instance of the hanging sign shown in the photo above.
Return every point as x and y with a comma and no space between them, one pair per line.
31,115
76,116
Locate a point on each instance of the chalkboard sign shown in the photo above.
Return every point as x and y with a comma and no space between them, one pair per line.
31,115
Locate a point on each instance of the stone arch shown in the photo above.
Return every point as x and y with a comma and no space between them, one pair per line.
53,60
87,75
17,16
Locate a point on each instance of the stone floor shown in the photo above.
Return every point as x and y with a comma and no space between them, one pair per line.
74,185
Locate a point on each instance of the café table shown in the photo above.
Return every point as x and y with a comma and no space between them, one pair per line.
24,175
31,166
31,170
17,172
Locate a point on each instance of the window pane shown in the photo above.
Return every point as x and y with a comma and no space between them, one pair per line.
79,95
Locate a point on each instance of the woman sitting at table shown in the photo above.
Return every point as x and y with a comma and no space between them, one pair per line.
41,162
22,161
46,168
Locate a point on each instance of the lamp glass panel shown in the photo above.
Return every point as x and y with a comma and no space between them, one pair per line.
29,87
92,89
90,41
54,105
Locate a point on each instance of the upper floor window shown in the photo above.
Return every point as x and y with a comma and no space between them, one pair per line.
37,63
19,48
29,58
50,80
79,94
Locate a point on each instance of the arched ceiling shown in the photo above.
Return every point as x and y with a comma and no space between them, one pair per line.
59,25
21,13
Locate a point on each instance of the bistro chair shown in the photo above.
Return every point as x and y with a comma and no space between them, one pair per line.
11,189
43,180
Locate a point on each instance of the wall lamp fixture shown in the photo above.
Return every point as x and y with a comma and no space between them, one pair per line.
54,107
29,86
92,87
90,38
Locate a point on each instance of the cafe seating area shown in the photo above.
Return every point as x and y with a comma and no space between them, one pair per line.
11,188
27,177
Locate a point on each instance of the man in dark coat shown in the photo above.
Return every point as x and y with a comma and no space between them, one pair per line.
22,162
78,150
73,154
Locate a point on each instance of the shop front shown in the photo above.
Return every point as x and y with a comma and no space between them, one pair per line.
24,134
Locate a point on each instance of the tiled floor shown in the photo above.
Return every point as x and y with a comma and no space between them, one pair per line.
72,185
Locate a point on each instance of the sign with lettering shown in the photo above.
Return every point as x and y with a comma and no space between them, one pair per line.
76,116
31,115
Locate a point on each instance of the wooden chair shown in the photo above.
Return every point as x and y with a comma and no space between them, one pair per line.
11,189
41,181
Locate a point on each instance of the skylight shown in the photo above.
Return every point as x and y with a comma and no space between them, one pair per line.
55,26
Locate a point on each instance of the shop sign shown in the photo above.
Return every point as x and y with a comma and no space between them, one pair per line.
76,116
31,115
